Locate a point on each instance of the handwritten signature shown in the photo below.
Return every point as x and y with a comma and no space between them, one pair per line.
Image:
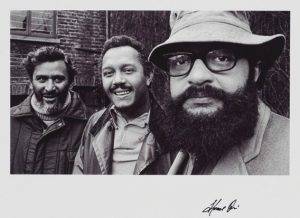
215,207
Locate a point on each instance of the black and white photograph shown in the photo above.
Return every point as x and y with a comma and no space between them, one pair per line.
230,119
150,112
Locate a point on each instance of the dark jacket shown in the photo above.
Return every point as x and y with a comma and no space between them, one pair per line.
95,153
35,150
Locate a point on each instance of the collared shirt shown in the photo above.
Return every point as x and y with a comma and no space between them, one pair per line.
128,140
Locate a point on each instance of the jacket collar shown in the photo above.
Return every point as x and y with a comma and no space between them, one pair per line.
156,115
234,162
76,110
149,151
104,118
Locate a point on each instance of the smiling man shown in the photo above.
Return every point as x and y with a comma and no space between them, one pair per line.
215,119
124,138
46,127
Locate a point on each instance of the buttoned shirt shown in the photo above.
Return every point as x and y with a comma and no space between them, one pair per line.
128,140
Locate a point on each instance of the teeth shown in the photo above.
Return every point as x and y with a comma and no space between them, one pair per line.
122,93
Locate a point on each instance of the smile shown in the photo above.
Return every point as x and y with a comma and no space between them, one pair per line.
121,93
49,98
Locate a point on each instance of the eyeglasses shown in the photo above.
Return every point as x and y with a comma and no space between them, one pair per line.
181,63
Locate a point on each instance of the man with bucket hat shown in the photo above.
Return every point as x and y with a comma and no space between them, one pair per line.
216,122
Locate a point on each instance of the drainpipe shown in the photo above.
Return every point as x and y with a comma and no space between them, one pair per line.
107,21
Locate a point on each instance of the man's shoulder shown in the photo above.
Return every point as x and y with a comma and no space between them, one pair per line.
273,124
274,117
273,158
14,109
78,109
96,116
23,108
278,126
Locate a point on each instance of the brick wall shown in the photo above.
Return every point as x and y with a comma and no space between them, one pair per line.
81,35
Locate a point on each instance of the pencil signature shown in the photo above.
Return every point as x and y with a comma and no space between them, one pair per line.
216,206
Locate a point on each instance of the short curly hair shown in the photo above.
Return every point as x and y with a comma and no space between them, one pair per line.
48,54
123,40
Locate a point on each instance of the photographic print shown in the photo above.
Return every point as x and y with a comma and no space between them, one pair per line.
135,110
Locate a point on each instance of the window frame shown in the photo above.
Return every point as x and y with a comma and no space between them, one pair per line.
28,32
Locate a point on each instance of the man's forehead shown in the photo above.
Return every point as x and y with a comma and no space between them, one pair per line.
51,68
120,55
59,64
120,51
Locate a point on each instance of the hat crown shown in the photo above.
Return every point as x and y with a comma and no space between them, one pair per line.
182,19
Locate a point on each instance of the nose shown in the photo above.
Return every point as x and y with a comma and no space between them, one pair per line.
200,74
50,86
118,78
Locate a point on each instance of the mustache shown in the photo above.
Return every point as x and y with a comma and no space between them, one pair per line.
201,91
50,93
119,85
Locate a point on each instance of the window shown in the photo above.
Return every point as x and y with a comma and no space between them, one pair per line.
33,23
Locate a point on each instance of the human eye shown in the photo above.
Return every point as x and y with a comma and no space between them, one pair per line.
41,79
221,56
107,73
178,60
220,60
59,79
224,58
128,69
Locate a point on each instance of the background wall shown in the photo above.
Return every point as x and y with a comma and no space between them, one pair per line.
82,34
152,27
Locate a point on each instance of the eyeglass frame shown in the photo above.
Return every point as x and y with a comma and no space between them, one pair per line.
202,56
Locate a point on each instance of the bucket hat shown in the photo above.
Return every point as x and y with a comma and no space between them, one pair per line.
218,27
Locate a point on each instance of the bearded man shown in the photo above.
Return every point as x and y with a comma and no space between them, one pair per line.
46,127
215,119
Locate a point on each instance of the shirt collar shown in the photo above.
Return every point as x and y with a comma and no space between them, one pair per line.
142,120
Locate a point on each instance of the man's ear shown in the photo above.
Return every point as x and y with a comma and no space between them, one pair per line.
71,85
30,85
149,78
257,70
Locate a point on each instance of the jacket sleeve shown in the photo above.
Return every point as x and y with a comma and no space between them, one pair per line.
80,162
83,156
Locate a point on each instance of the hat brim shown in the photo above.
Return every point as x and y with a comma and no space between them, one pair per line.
267,48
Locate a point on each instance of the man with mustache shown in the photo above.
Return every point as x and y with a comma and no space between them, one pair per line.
46,127
215,119
125,137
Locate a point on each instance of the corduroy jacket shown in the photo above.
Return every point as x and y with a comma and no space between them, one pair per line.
36,149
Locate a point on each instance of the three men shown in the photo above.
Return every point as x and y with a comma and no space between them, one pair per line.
216,120
46,127
124,138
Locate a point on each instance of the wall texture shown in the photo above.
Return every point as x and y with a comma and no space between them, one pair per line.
152,27
82,34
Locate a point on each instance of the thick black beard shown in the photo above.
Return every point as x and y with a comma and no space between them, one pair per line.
210,136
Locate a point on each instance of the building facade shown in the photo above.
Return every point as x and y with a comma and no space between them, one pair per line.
81,34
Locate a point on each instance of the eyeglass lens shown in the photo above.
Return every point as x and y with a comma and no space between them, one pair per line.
216,61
